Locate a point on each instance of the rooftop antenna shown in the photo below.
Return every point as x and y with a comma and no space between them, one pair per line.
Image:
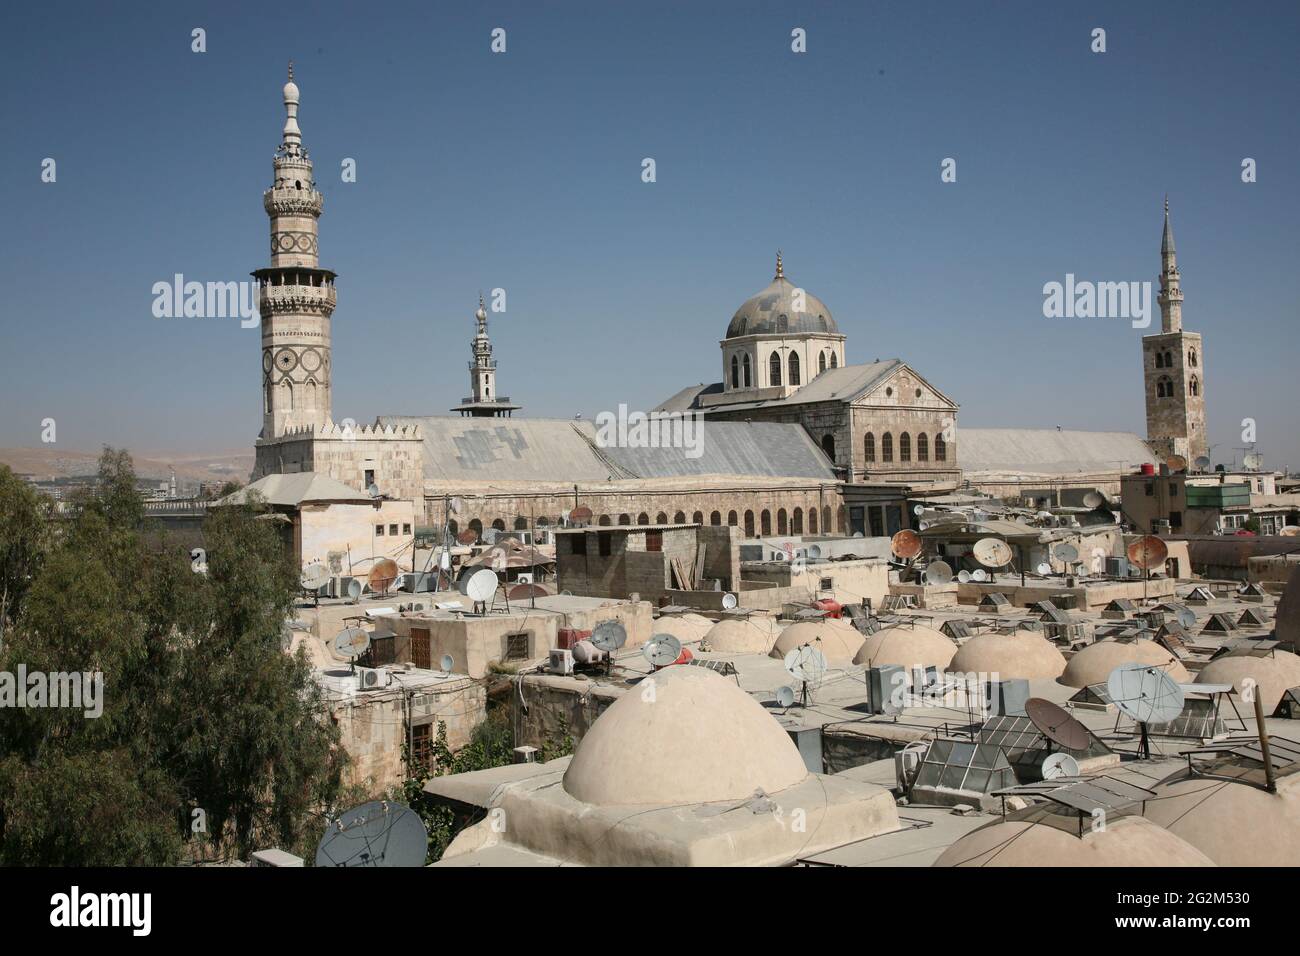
379,833
1147,694
807,665
662,650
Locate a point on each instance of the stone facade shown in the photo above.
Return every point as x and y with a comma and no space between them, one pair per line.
389,457
624,561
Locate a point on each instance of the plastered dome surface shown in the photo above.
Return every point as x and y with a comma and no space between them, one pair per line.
698,738
840,642
1093,664
687,628
1234,824
1273,675
905,646
1127,842
754,635
1022,655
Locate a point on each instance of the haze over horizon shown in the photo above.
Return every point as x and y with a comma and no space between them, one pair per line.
522,171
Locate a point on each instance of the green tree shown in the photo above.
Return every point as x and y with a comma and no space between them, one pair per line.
25,535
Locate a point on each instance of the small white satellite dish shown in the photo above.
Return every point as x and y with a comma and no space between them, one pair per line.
1254,461
315,576
963,577
980,575
354,590
814,552
372,490
479,586
918,510
662,650
1044,568
351,642
806,664
446,663
785,696
1059,765
729,601
609,636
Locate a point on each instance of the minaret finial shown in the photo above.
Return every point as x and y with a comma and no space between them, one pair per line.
780,273
291,71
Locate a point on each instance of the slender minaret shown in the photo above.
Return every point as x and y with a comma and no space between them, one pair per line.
296,297
483,401
1173,364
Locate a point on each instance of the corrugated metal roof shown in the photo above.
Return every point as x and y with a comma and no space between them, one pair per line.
841,384
761,449
1048,451
291,490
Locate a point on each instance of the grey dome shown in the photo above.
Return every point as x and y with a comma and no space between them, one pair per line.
771,312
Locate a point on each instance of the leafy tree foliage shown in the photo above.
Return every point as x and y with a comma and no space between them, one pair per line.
202,709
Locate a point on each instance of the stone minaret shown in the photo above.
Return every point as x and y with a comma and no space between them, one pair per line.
297,297
1174,369
483,402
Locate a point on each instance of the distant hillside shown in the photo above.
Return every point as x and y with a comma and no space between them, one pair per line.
50,462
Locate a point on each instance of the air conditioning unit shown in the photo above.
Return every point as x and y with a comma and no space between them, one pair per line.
560,661
525,578
372,678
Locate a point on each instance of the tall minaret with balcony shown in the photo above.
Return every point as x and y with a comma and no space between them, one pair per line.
296,297
483,402
1173,364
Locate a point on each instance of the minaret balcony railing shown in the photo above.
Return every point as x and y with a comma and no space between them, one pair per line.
289,200
298,298
489,364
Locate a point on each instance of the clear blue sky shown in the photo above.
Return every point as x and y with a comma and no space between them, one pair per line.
522,171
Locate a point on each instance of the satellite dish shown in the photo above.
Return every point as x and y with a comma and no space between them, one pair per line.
918,510
1098,560
729,601
980,575
662,649
1202,463
1044,569
351,642
806,664
1145,692
1095,500
1059,765
580,515
938,573
814,552
1066,553
354,590
905,544
1056,724
382,575
1176,463
785,696
468,536
609,636
992,552
963,577
1148,552
446,663
479,587
315,576
457,505
1253,461
379,833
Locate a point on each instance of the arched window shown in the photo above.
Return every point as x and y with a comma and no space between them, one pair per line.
749,524
782,522
826,519
604,521
624,519
1169,359
477,527
499,525
453,527
821,363
744,367
922,447
698,517
266,399
842,521
1191,358
812,520
835,362
940,448
521,523
869,447
796,521
643,518
774,370
1194,386
1160,360
765,522
715,519
1164,387
905,447
732,520
828,445
679,518
886,447
793,365
735,372
286,395
661,518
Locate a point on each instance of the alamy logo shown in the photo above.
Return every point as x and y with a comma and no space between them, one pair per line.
103,909
1101,300
206,300
35,689
626,429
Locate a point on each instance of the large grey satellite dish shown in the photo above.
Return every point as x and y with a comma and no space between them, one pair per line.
785,696
1066,553
938,573
315,576
1059,765
662,650
609,636
1095,499
992,552
1145,692
480,586
351,642
1202,463
806,664
379,833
